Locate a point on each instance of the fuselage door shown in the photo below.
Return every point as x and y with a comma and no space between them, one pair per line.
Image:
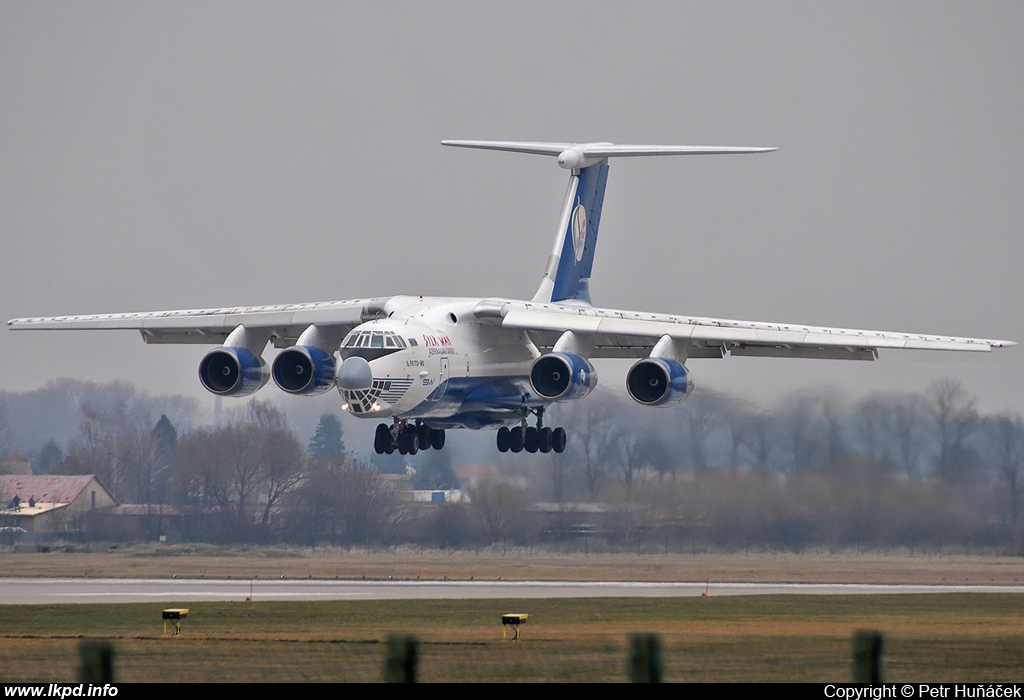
445,373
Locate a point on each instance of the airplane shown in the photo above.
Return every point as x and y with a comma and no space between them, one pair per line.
434,364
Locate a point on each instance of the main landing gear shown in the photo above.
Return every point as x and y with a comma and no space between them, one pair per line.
530,438
407,438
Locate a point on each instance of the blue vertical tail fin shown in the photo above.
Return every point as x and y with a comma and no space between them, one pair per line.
567,277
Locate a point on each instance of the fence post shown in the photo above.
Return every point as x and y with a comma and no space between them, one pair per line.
97,656
400,659
645,658
867,656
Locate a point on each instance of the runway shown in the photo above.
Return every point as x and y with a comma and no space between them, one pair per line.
83,590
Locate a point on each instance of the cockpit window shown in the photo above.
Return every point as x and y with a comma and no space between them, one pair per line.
371,344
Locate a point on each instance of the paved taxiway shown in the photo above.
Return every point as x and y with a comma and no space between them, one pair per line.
67,590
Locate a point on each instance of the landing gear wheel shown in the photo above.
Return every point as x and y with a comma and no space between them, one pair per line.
382,439
504,441
407,440
437,439
558,439
423,437
516,438
544,440
530,439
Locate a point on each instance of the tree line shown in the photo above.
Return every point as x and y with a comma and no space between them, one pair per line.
920,470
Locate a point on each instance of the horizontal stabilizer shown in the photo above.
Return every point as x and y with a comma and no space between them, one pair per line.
580,155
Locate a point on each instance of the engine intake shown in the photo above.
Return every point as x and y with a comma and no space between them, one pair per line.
658,381
233,371
304,370
562,376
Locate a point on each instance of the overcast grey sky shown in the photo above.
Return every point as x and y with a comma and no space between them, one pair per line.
191,154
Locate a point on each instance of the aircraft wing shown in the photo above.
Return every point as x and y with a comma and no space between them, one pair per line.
613,333
632,334
284,322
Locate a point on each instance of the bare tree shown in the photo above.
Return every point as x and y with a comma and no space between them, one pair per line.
220,469
905,429
833,419
954,419
634,451
6,434
242,471
264,414
1005,442
283,463
346,503
738,426
501,509
801,431
114,445
702,415
560,464
594,437
871,418
763,441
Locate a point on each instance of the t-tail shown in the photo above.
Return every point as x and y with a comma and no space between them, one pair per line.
567,274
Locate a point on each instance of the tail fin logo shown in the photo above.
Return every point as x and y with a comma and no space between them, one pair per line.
579,231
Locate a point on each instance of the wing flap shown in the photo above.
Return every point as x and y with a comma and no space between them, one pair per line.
184,337
810,353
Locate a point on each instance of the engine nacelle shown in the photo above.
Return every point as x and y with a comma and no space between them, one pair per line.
233,371
658,381
562,376
304,370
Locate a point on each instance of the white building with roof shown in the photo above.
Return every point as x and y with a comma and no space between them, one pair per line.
50,503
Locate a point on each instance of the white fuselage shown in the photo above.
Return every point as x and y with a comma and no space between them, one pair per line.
453,369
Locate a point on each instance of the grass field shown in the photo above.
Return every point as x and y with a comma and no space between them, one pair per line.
192,561
932,637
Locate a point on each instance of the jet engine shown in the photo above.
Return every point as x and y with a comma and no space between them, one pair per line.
658,381
304,370
562,376
233,371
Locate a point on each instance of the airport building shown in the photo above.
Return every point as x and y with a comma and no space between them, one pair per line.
38,507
